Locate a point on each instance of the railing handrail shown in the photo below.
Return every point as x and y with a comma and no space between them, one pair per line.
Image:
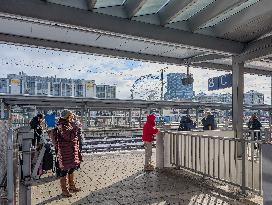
182,133
213,156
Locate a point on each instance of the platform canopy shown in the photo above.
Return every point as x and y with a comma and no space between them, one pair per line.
53,102
205,33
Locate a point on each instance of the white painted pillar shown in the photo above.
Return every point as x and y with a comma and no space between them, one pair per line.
237,98
237,115
160,150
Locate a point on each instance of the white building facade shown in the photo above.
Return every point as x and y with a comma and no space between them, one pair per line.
21,83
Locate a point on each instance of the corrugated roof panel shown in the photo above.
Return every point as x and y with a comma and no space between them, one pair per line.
80,4
192,10
106,3
229,13
151,7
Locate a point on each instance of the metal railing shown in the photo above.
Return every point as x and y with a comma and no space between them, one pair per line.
235,161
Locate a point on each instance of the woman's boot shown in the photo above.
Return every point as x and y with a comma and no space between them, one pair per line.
64,187
72,184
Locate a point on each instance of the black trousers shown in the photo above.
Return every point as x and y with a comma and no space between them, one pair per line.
36,140
63,173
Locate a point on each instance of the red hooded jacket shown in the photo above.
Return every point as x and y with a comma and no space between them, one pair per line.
149,129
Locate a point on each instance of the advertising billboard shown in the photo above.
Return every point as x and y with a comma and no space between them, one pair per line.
15,86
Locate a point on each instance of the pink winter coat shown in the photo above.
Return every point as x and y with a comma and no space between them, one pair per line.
68,145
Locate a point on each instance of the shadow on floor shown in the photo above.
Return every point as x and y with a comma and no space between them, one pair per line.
44,180
154,188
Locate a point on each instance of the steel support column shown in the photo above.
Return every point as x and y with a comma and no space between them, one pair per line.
237,114
237,98
26,136
10,168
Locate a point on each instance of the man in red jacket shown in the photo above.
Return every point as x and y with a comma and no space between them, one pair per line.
148,137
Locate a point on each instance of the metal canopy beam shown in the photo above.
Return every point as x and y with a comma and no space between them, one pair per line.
260,8
256,50
77,103
213,10
119,27
218,66
172,10
204,58
86,49
133,6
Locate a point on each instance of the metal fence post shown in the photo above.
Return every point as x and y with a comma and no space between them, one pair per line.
25,186
244,168
10,168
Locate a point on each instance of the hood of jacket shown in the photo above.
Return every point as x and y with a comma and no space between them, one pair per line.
151,119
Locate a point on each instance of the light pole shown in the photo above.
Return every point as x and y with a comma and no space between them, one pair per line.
162,82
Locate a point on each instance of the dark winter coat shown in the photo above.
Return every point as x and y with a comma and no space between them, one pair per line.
208,121
67,145
186,124
36,126
149,129
254,124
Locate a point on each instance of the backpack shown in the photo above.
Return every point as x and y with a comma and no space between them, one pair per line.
48,158
32,123
53,135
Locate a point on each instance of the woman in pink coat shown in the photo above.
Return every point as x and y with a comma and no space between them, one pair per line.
68,154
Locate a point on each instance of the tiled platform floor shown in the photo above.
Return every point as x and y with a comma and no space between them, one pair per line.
118,178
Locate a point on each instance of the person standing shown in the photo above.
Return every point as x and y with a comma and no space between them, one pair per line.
36,125
186,124
208,121
67,143
254,124
148,137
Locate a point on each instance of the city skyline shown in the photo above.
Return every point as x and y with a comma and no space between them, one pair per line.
106,70
22,83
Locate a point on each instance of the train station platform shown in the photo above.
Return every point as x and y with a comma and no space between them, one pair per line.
118,178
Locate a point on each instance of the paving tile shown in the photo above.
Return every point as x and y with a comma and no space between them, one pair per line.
119,179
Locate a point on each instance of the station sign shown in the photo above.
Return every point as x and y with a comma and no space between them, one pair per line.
220,82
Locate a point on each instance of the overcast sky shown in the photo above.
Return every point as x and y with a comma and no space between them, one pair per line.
106,70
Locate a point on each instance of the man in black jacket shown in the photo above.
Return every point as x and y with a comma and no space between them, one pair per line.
208,121
36,125
186,124
254,124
